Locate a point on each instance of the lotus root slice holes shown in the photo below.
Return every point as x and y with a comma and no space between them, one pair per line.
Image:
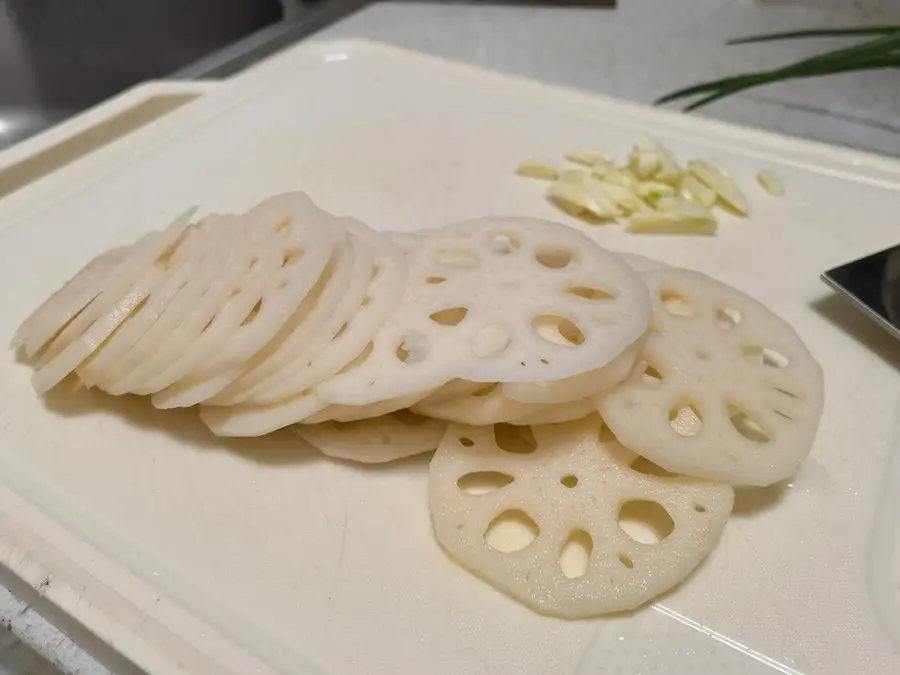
253,313
747,426
412,348
650,375
765,356
491,341
685,419
556,257
456,257
483,482
591,293
728,317
676,303
648,468
517,440
360,358
558,330
575,556
451,316
502,243
511,531
646,522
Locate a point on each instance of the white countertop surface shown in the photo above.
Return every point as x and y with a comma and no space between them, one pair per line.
638,51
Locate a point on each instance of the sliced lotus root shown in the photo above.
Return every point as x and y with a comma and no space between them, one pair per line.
200,255
641,264
726,390
577,387
335,299
558,413
377,440
350,345
61,307
518,511
353,413
302,239
319,348
183,319
102,283
500,300
246,420
486,405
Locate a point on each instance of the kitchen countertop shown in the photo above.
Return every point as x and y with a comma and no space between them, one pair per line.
639,51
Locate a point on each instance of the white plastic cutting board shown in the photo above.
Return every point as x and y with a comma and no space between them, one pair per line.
193,554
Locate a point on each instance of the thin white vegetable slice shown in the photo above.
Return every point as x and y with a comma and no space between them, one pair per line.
258,420
186,264
564,486
56,369
185,317
65,304
577,307
484,406
349,344
728,391
353,413
305,241
377,440
576,387
558,413
332,302
112,288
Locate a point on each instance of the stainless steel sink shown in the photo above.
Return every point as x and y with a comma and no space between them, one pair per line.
58,57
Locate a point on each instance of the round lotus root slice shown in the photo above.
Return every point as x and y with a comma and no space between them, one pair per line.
485,405
183,319
61,307
302,239
724,390
500,300
198,254
641,263
577,387
334,300
246,420
546,517
377,440
353,413
54,370
69,312
557,413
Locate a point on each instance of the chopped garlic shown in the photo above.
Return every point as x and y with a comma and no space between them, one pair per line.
652,190
770,183
610,174
644,164
589,157
693,189
668,223
542,170
668,170
575,200
721,183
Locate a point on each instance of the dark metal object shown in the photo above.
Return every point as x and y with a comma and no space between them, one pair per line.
58,57
873,285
